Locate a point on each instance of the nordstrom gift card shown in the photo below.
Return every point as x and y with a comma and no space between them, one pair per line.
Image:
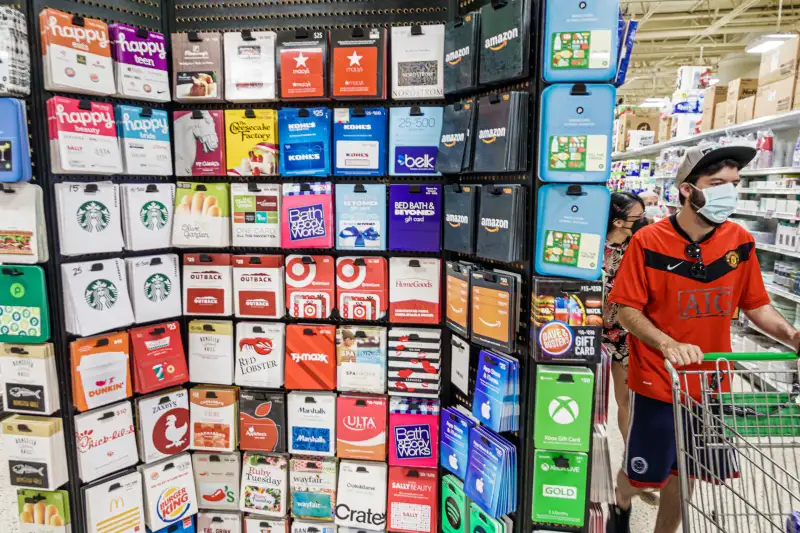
163,424
216,478
264,489
417,62
312,423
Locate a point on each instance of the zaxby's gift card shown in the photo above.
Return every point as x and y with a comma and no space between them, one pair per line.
310,357
163,423
309,286
158,358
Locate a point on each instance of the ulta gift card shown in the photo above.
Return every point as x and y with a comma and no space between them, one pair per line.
361,427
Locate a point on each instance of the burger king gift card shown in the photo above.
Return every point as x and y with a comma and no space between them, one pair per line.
216,480
163,424
169,493
310,286
567,320
310,357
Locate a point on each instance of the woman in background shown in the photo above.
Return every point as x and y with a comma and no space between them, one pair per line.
626,216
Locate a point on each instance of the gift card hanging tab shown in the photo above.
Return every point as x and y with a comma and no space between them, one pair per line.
575,134
580,40
15,158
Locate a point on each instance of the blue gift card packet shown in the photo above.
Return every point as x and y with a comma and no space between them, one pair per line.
454,441
414,134
571,223
575,133
580,40
359,141
360,216
305,140
15,153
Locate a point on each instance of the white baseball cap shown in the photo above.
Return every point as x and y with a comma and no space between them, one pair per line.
702,156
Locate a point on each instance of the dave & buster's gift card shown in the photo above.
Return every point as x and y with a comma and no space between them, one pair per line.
567,320
310,282
302,56
361,422
216,480
163,424
258,286
413,500
262,421
413,432
358,63
169,493
213,418
207,284
307,215
414,295
158,358
415,217
310,357
361,287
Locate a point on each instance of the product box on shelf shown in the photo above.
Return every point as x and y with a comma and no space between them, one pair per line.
100,370
163,424
361,501
665,126
413,500
567,320
628,123
265,485
361,423
216,480
310,286
260,354
169,491
720,115
140,63
775,98
197,67
207,284
251,142
43,511
214,418
780,63
738,89
712,97
35,450
744,109
29,379
312,481
158,358
106,441
262,421
563,408
199,143
115,503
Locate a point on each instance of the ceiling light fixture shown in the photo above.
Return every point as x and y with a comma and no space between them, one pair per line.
769,42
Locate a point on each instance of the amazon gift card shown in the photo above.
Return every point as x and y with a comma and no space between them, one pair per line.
494,318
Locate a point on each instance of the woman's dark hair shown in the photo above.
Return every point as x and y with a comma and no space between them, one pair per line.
710,170
621,204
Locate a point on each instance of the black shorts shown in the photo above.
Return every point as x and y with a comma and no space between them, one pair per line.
651,455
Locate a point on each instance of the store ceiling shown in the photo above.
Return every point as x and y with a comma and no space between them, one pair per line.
695,32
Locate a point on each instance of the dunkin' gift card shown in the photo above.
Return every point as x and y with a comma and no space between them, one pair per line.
265,485
163,423
310,357
105,440
207,284
259,354
302,54
212,412
158,358
413,432
216,480
307,215
361,287
361,427
199,143
414,290
262,421
413,500
258,286
312,423
100,370
310,286
169,493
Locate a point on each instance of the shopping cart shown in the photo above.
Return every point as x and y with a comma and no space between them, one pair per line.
745,443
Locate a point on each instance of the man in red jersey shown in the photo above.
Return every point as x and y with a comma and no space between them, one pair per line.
679,284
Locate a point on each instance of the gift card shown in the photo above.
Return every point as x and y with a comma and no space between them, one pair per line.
262,421
413,500
211,358
158,358
251,142
213,415
312,482
199,143
361,424
310,362
260,354
106,441
359,142
310,285
163,424
302,56
100,370
361,359
265,487
312,423
361,287
169,493
307,214
216,478
207,284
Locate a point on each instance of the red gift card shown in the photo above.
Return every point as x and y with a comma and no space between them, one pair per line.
158,358
309,286
361,287
258,286
207,286
358,63
413,497
361,427
301,63
310,357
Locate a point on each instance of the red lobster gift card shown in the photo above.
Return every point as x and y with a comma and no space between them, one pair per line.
310,357
362,287
310,286
413,500
158,358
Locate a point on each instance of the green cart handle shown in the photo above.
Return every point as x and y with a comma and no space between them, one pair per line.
750,356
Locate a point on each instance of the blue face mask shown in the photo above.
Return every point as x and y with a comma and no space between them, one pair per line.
720,202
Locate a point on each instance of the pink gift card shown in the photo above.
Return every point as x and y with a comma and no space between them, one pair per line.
307,215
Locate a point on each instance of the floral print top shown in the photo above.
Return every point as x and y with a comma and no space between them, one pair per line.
612,257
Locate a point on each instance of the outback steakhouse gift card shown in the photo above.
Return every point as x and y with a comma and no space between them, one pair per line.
359,63
302,56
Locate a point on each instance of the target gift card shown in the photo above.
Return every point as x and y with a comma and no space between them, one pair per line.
361,287
310,286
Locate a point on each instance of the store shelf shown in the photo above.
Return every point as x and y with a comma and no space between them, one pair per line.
764,214
769,171
776,122
775,249
774,289
764,190
761,331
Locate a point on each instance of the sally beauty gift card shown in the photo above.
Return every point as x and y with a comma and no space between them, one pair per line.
413,500
312,423
169,493
216,480
163,424
265,485
106,441
361,499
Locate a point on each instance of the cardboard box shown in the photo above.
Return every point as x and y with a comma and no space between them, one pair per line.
628,123
738,89
775,98
712,97
744,109
779,64
720,115
664,127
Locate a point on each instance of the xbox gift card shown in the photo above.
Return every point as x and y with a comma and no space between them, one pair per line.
414,134
455,506
302,56
460,202
559,488
501,133
504,40
575,133
358,64
456,129
417,57
305,141
563,408
359,141
460,53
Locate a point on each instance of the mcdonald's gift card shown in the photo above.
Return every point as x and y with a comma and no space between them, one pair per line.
114,505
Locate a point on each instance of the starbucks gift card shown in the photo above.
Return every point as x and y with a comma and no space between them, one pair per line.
216,478
455,506
414,134
162,421
24,311
23,232
453,155
302,56
89,217
504,37
358,63
259,354
202,215
417,62
461,53
249,66
256,214
265,485
361,216
251,142
147,215
106,441
312,482
359,141
154,284
211,358
28,378
96,296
